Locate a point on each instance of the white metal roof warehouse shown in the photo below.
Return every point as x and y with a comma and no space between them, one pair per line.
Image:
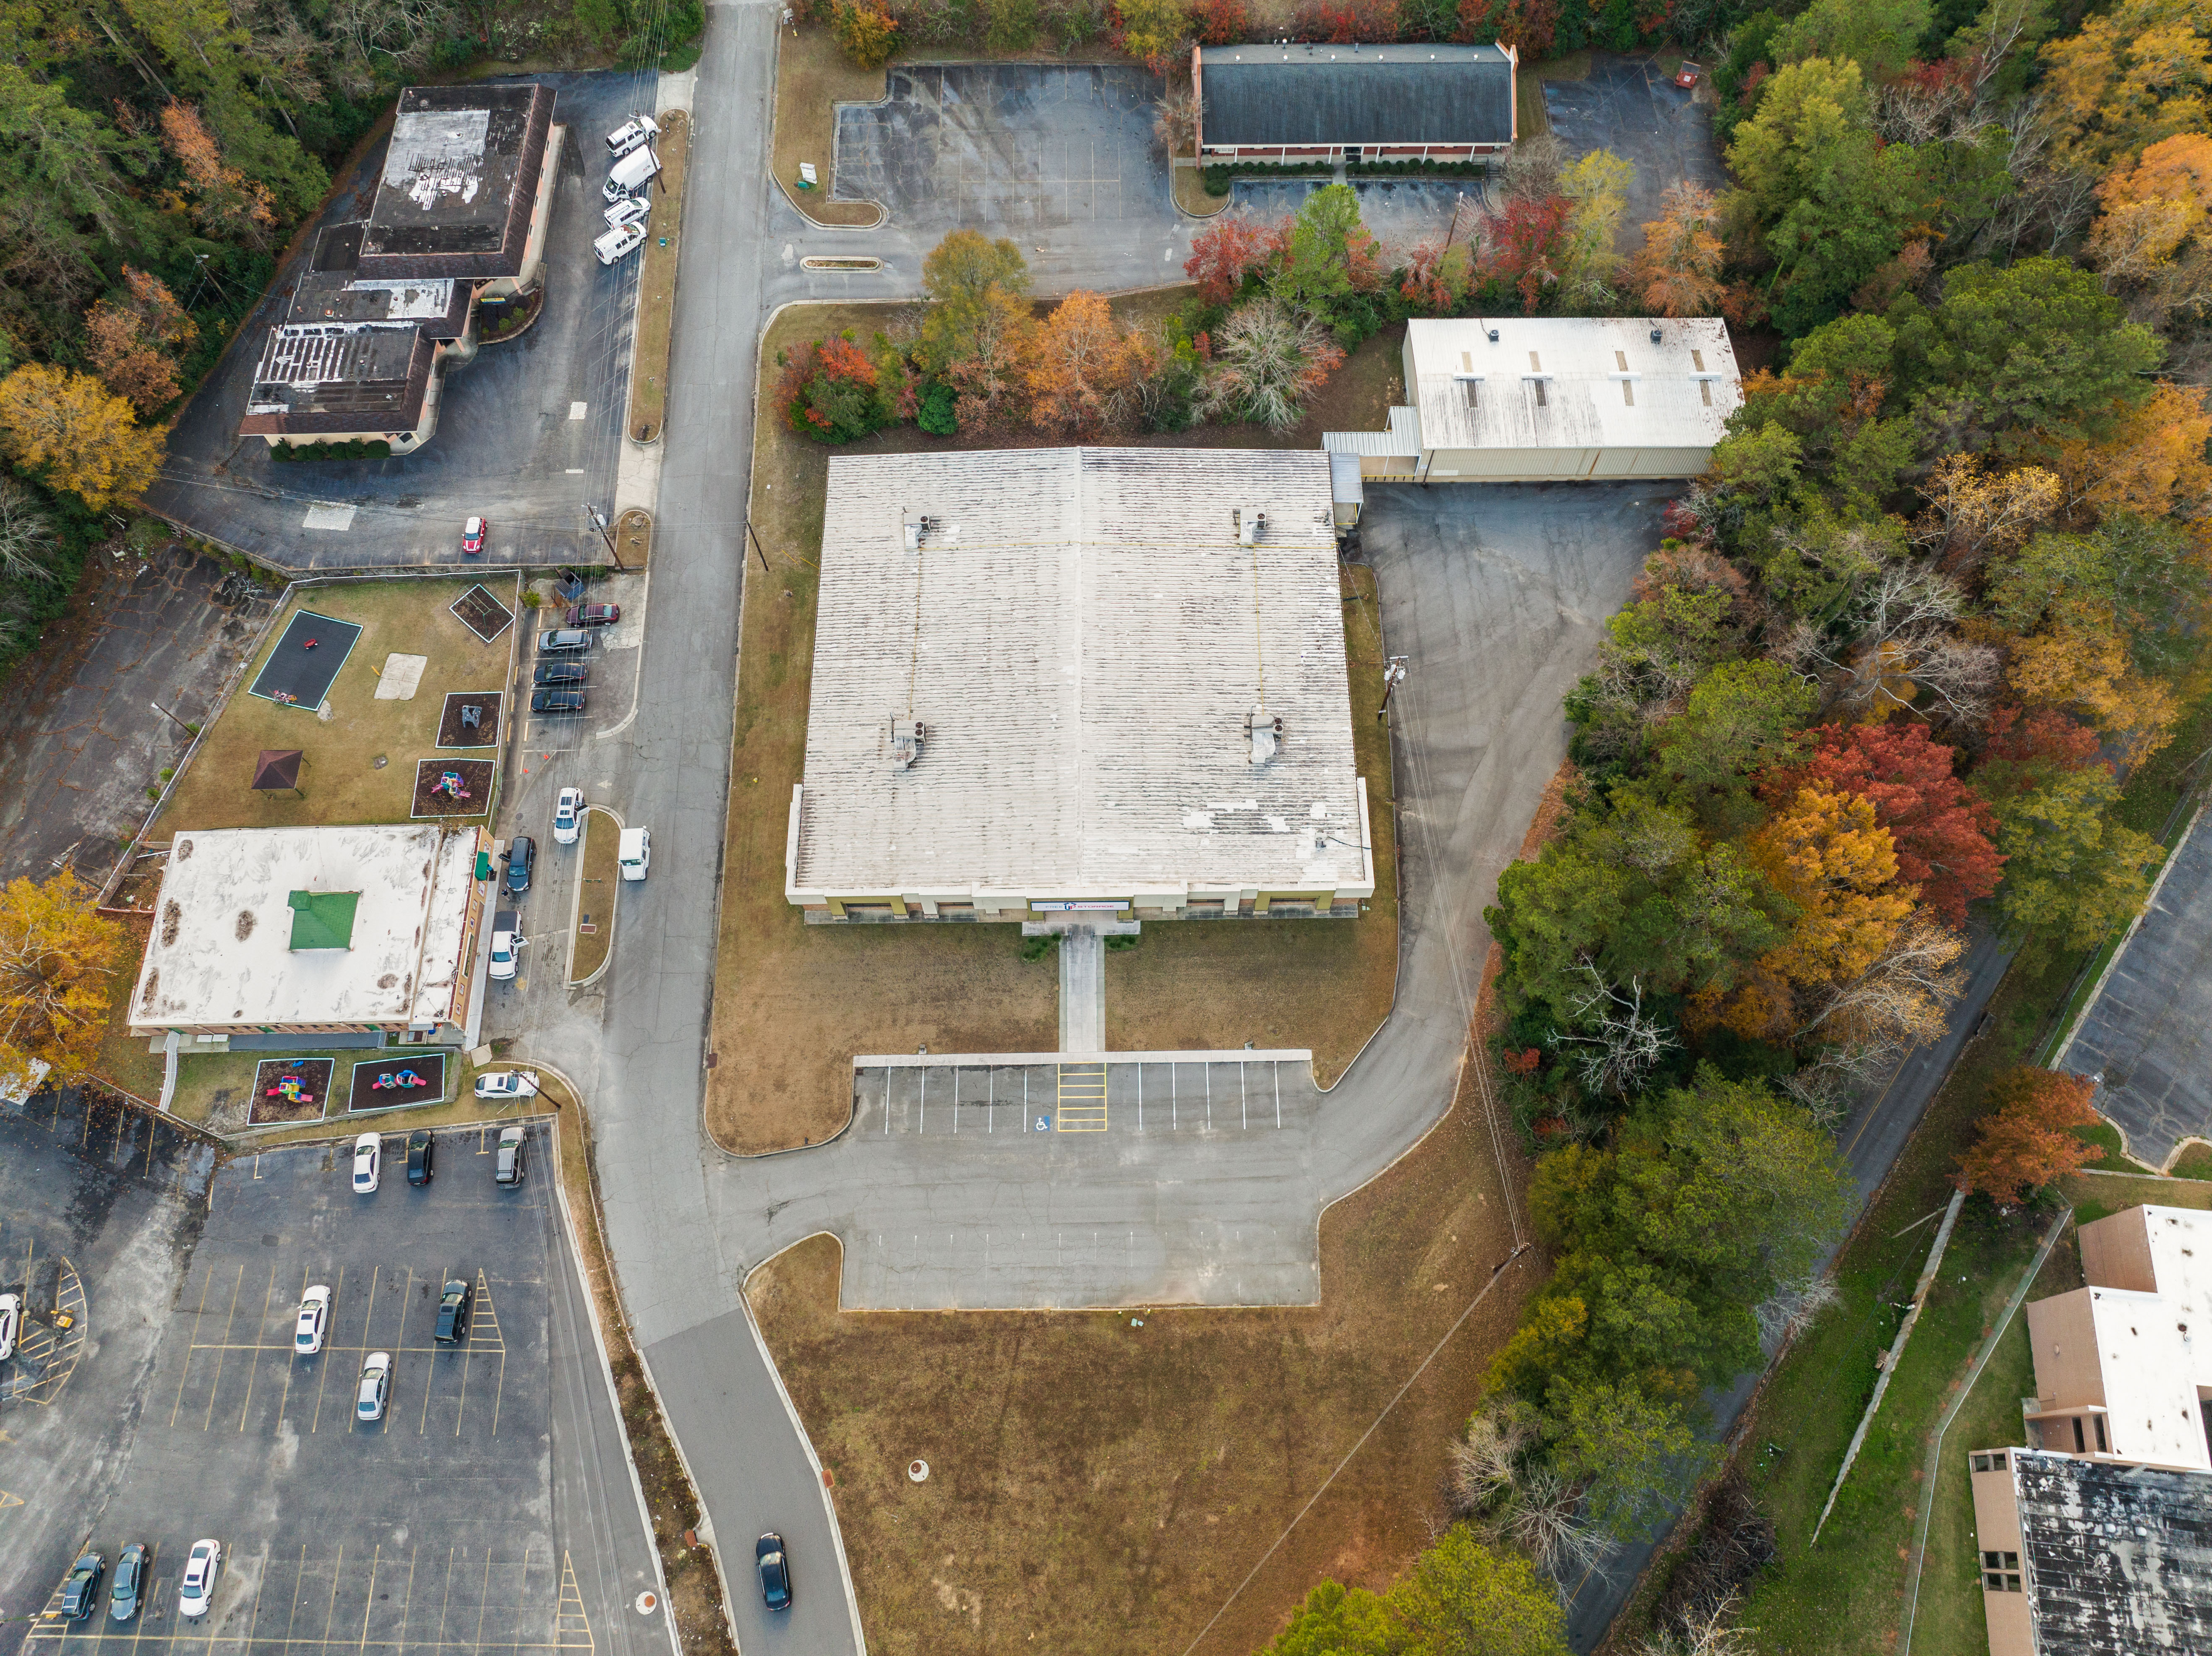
1106,678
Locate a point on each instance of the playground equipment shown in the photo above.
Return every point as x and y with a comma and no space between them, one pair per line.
401,1080
450,784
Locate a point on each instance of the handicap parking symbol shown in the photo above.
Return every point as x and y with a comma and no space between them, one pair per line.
1044,1123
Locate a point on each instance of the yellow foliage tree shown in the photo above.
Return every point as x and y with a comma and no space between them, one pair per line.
1975,513
2136,74
86,439
1825,853
56,953
2150,239
2152,462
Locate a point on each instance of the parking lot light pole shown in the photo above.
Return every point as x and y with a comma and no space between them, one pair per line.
592,512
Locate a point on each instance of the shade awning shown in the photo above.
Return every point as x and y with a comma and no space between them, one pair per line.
278,768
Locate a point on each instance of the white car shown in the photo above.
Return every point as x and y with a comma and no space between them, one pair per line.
314,1320
634,853
617,245
568,815
628,210
11,1322
506,944
375,1386
631,134
506,1083
367,1157
196,1588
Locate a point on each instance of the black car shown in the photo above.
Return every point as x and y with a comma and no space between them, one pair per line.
81,1593
560,672
521,858
422,1149
453,1313
129,1582
556,701
774,1571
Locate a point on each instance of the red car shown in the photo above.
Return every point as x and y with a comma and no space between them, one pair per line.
472,535
1686,76
594,614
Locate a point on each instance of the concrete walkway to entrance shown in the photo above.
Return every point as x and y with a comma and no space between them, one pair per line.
1082,990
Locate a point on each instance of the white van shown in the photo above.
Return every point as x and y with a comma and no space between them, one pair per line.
634,852
632,134
619,244
630,175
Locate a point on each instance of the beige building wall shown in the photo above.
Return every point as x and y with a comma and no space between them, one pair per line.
2116,1253
1997,1540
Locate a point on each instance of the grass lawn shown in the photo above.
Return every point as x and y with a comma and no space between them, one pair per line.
1190,193
2098,1195
200,1079
2106,1137
587,951
794,1003
343,781
812,77
656,307
1146,1470
215,1090
126,1061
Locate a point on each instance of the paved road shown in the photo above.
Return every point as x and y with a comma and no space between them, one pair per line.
2145,1034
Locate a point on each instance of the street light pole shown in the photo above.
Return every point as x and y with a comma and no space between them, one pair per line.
1394,675
171,717
599,523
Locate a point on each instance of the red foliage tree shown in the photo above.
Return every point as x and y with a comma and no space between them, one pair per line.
2025,1140
1342,21
1523,253
1221,23
1226,251
2027,750
1528,26
1941,827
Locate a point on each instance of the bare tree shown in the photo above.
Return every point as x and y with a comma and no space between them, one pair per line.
27,536
1268,360
1790,1306
1617,1044
1175,120
1905,639
1532,169
1711,1634
1905,997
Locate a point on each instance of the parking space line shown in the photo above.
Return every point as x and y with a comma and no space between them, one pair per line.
338,1570
323,1371
296,1574
406,1304
368,1604
445,1599
229,1316
407,1610
187,1369
252,1368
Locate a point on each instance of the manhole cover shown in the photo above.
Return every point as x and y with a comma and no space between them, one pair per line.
917,1471
648,1602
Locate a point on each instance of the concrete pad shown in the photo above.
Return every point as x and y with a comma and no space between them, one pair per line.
401,678
1082,990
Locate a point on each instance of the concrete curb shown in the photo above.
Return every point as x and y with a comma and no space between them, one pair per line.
576,909
775,95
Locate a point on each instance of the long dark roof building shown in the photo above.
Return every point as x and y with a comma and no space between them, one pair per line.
460,176
2119,1558
1391,98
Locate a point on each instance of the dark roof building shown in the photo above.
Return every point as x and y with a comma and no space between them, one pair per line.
332,289
460,178
1390,102
325,378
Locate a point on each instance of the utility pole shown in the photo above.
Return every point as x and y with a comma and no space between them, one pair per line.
592,514
1394,675
171,717
1459,203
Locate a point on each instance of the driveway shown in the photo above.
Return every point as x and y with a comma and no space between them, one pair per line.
81,739
2145,1034
527,433
1624,105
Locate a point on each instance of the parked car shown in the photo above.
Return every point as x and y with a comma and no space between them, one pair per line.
506,944
421,1153
367,1155
560,672
633,134
314,1320
11,1323
521,859
506,1083
634,852
560,640
594,614
568,815
774,1571
631,174
612,191
375,1386
196,1587
453,1313
507,1169
129,1582
556,701
81,1589
630,209
617,245
473,535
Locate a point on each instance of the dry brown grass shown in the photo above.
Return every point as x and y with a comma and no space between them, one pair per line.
1190,194
587,951
794,1003
1096,1487
341,782
812,77
126,1061
656,303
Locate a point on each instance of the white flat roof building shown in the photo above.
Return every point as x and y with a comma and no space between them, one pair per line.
314,930
1554,399
1104,678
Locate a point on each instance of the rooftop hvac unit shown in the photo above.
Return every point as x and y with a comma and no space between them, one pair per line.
1251,522
1266,732
906,737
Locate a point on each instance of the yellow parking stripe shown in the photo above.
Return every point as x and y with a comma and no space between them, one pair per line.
1082,1098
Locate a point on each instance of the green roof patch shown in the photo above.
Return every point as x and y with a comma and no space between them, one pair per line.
322,919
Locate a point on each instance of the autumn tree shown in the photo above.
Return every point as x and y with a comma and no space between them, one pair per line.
86,440
1677,271
1597,190
1825,853
2150,459
1080,373
2127,78
830,391
864,30
2149,238
1156,31
975,287
221,197
1267,360
988,379
1974,511
1939,827
134,340
1228,250
2025,1139
56,953
1524,251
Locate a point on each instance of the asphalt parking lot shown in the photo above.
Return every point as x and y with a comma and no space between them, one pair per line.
527,432
1012,149
1399,213
2145,1034
1624,105
490,1509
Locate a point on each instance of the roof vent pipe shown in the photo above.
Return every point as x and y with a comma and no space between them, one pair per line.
1493,336
1654,336
1251,522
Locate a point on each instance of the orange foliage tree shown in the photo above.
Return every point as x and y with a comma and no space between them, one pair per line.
2026,1141
2151,460
1677,269
222,198
134,340
1079,376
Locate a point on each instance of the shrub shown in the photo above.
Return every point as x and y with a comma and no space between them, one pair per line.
939,415
376,450
867,33
1221,23
1010,25
602,20
829,391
